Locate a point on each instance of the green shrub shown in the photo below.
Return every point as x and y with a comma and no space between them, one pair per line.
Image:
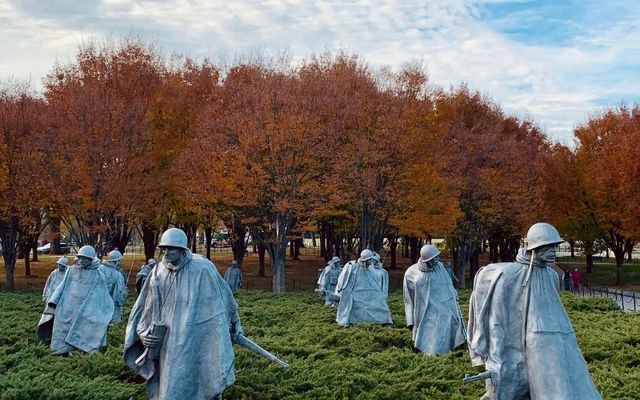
327,361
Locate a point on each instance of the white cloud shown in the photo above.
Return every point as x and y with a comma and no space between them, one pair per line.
556,84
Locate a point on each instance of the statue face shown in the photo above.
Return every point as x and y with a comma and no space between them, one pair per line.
84,261
546,254
172,254
62,268
368,262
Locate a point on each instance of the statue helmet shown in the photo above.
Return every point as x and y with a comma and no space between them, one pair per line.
336,260
87,251
428,252
174,237
63,261
115,255
542,234
152,262
366,254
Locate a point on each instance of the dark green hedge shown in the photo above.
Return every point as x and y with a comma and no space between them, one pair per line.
328,362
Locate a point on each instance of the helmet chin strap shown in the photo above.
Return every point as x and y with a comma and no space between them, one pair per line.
528,273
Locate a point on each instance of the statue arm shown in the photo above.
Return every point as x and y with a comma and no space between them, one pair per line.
408,301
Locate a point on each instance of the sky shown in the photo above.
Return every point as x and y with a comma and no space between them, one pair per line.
556,62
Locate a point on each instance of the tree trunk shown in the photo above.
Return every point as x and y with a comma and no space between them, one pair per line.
8,234
628,248
238,245
405,247
261,251
337,246
149,241
27,263
588,252
277,256
207,241
34,250
323,243
296,248
619,261
572,247
393,246
493,251
414,252
617,244
54,238
313,239
291,249
474,264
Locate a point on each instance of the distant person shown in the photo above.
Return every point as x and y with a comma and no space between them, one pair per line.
79,310
233,276
567,280
576,278
55,278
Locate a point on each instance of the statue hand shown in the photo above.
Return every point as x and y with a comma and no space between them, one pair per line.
150,340
236,330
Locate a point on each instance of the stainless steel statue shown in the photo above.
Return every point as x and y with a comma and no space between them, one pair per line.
328,280
362,299
233,276
141,276
55,278
115,283
382,275
519,330
431,305
79,310
181,327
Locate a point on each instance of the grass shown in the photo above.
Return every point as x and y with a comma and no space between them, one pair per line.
604,272
327,362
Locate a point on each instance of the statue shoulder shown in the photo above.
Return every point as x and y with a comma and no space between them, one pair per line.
412,269
499,269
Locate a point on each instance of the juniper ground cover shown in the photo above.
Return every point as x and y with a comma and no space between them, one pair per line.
327,362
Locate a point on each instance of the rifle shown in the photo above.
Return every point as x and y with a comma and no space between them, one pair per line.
244,341
131,268
479,377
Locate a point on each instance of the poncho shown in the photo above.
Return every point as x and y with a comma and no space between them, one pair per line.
431,308
362,300
519,330
233,276
328,281
54,279
117,289
196,359
78,312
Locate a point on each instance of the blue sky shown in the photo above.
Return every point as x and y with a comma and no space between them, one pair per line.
557,62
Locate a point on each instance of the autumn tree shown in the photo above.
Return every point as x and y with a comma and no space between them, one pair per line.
607,152
570,206
23,183
101,102
494,164
262,155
